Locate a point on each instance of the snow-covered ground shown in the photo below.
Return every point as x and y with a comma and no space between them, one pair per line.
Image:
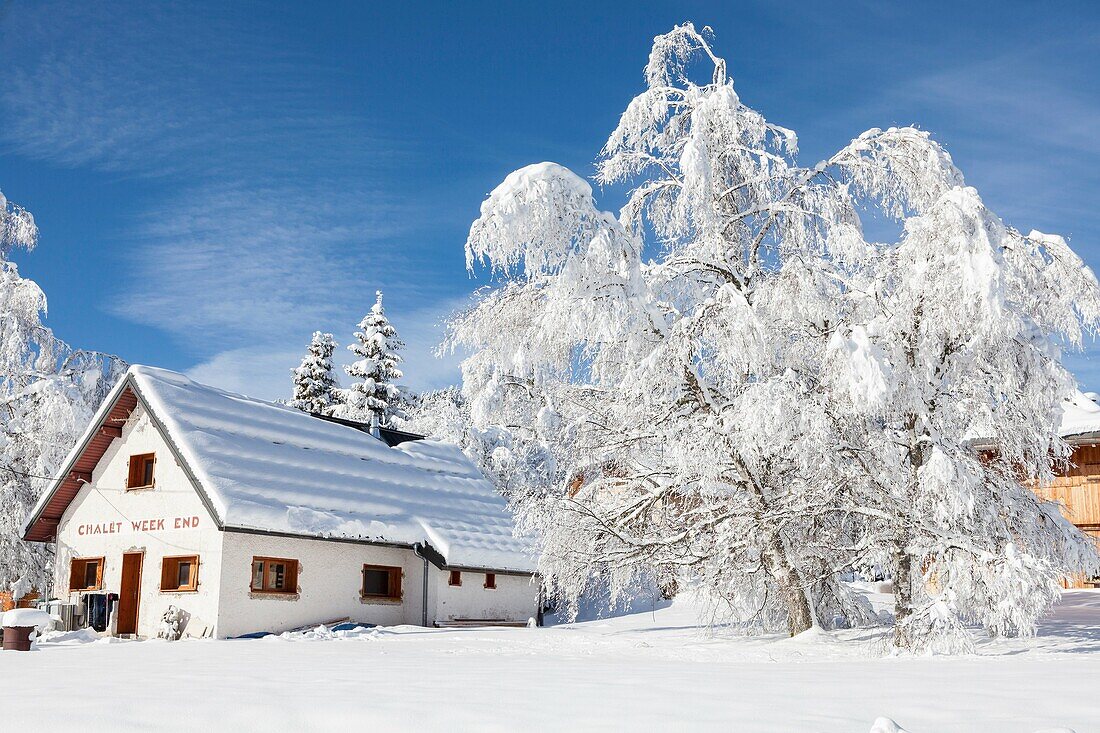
646,671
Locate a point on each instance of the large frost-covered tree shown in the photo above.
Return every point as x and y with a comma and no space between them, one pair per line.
47,394
374,374
313,379
708,360
957,344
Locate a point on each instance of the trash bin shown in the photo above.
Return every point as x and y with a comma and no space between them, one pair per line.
17,638
19,625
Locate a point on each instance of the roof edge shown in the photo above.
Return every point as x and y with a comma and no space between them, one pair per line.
97,421
179,456
127,382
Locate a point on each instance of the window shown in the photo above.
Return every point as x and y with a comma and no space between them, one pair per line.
382,581
456,578
274,575
491,581
179,573
86,573
141,471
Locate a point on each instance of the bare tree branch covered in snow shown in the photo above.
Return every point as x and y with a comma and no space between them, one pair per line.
48,392
742,391
515,457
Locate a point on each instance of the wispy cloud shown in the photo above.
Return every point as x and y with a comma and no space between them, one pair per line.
224,264
265,372
273,217
1022,129
166,91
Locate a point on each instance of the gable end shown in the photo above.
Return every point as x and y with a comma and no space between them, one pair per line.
41,525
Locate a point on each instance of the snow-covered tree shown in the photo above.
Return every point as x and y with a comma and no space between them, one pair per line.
514,457
957,344
708,358
314,381
48,393
374,373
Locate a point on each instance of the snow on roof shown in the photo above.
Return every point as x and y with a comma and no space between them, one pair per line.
1080,415
274,468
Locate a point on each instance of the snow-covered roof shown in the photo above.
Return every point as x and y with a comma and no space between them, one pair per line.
1081,415
273,468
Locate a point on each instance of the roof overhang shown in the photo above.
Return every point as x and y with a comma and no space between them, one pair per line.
1082,438
41,524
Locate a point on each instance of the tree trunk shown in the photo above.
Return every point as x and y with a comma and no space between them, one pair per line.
903,560
903,592
799,615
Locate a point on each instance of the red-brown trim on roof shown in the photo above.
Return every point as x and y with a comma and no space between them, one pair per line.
44,526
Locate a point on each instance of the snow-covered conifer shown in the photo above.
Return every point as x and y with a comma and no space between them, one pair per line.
314,381
374,373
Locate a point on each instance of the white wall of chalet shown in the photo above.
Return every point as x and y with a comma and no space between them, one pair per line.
107,520
515,597
329,584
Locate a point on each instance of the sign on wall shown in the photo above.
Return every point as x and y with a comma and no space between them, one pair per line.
138,525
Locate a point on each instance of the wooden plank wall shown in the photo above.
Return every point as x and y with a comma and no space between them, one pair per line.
1079,492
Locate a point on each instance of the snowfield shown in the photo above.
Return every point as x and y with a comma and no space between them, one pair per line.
646,671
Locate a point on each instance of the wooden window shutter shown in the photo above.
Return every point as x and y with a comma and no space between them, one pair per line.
76,574
135,472
395,583
166,568
292,576
141,470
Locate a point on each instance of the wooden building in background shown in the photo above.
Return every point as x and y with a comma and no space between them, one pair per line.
1078,489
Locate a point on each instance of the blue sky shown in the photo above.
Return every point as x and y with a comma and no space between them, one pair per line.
213,183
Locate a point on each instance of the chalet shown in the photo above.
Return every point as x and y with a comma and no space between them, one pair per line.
1078,489
241,516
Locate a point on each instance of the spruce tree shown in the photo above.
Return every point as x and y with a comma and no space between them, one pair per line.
373,390
314,382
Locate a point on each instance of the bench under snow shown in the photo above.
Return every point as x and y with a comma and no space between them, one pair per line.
465,623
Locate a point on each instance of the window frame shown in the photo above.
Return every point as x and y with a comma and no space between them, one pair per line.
84,573
174,562
490,581
134,476
455,578
290,581
394,590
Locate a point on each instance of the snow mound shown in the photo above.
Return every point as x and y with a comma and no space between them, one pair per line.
885,725
80,636
27,617
327,633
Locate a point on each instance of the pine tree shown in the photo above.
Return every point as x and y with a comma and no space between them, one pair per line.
374,390
314,382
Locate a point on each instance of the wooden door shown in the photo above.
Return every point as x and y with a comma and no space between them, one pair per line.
129,594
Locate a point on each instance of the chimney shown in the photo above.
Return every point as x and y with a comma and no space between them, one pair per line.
374,425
